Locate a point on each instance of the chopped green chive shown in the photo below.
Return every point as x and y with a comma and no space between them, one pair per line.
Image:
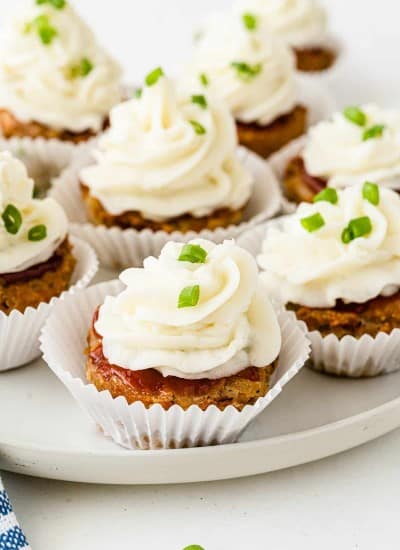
370,192
138,93
313,223
355,115
193,253
373,132
12,219
200,100
82,69
198,128
359,227
189,296
37,233
193,547
249,21
58,4
86,66
204,79
245,71
153,77
328,195
44,29
347,236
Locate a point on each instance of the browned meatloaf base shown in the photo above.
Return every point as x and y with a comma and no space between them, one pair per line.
38,283
298,184
150,387
98,215
314,59
12,127
381,314
265,140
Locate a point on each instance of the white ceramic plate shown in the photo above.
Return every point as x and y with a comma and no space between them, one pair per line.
44,433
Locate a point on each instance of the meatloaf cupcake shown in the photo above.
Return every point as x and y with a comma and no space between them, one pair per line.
57,87
237,59
336,263
359,144
190,342
167,163
37,261
168,168
301,24
55,80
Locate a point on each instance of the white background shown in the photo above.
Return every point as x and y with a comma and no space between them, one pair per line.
346,502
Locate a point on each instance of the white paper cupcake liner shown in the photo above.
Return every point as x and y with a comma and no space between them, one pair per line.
44,159
349,356
120,248
356,357
19,332
134,426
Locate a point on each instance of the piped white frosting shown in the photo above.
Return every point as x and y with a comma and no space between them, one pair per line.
261,98
232,327
153,161
335,150
316,269
35,78
17,252
299,23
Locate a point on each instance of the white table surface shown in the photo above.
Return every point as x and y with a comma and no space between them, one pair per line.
345,502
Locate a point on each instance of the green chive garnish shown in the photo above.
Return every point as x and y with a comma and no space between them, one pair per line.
198,128
370,192
193,547
44,29
359,227
193,253
82,69
138,93
249,21
189,296
373,132
245,71
355,115
200,100
58,4
328,195
204,79
12,219
347,236
153,77
37,233
313,223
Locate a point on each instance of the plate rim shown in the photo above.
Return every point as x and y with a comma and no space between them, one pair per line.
122,453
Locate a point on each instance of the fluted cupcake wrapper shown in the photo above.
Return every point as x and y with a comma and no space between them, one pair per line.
134,426
19,332
121,248
44,159
348,356
356,357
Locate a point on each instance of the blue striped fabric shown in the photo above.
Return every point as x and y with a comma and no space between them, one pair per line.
11,535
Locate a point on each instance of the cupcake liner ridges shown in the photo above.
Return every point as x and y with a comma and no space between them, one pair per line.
44,159
120,248
349,356
19,332
63,342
